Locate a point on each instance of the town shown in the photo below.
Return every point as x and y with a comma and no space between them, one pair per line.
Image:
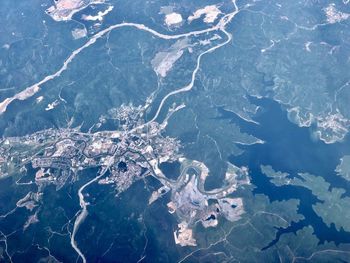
132,152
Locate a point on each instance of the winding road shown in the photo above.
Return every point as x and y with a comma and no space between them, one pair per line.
33,89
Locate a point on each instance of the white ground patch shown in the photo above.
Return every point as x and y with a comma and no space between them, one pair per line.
173,19
52,105
79,33
163,62
335,16
39,99
63,10
99,16
210,12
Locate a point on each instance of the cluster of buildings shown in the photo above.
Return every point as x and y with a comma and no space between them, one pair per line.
58,155
124,156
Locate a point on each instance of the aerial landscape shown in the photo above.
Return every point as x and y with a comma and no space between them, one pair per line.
175,131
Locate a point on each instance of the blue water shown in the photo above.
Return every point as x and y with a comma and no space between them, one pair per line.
290,149
170,169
